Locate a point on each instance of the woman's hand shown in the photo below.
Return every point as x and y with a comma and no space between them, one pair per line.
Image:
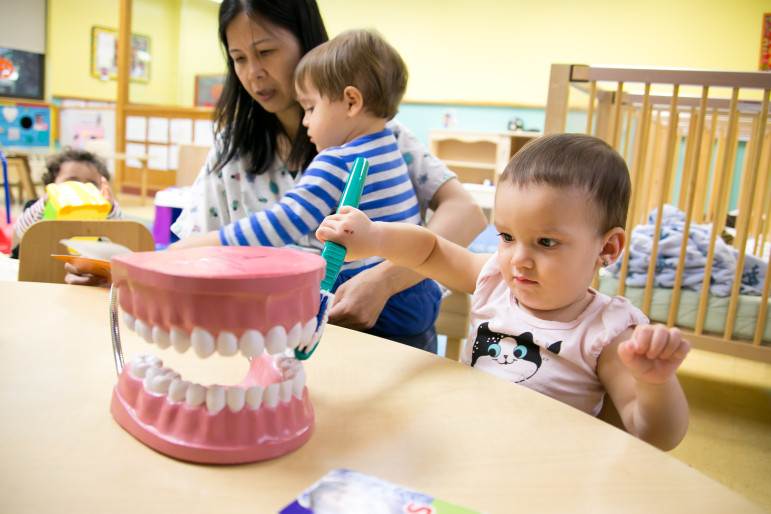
208,239
359,301
77,277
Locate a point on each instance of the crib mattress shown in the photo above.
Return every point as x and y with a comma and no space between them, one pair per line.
717,309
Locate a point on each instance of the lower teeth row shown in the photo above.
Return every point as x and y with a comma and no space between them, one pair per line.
162,380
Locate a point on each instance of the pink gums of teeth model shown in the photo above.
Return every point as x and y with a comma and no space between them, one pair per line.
222,299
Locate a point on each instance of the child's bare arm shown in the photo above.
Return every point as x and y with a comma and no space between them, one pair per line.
638,371
403,244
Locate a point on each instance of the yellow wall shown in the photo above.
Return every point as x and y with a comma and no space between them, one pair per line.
499,51
166,22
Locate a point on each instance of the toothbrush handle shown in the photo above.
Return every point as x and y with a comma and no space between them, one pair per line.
355,184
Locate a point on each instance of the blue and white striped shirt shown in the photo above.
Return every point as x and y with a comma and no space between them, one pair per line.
388,195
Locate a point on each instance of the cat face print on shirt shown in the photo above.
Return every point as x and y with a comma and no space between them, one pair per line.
518,354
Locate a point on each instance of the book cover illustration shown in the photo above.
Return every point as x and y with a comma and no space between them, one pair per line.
345,491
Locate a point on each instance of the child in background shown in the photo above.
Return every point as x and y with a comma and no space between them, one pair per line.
560,208
349,88
68,165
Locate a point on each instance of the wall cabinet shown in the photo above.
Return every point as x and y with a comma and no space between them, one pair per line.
477,157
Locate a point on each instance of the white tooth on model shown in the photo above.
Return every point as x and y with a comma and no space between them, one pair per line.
195,395
128,320
285,390
308,331
157,380
254,397
141,362
202,342
215,398
235,397
252,343
294,335
178,389
161,338
179,339
298,383
270,396
227,344
144,330
275,340
139,366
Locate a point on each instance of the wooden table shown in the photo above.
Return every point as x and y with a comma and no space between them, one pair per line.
415,419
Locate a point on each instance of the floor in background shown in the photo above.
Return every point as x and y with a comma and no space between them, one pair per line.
729,438
132,209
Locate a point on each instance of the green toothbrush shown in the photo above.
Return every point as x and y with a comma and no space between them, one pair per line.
334,254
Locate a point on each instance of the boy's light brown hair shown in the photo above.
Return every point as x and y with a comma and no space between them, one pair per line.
358,58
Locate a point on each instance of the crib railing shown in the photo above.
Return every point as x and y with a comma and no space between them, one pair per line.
690,138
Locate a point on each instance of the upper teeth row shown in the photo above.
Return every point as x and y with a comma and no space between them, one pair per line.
163,380
252,343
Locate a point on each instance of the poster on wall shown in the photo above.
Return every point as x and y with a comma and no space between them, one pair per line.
765,44
208,89
24,126
21,74
104,55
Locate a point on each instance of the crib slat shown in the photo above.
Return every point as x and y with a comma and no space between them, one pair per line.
760,326
590,107
743,221
638,164
615,132
718,217
628,131
705,170
689,197
765,227
661,197
762,192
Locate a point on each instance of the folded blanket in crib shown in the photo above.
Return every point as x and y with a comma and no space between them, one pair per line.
670,241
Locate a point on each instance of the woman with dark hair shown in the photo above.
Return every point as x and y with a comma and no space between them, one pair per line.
261,148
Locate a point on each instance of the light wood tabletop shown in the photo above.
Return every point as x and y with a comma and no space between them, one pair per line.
406,416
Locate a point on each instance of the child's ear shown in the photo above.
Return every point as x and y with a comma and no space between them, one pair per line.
353,100
613,244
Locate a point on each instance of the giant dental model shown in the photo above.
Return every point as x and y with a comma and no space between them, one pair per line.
260,301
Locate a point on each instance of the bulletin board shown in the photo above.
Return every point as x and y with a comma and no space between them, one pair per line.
104,55
765,44
21,74
25,126
208,89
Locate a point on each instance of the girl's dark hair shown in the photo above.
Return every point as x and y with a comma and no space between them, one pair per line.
54,163
576,160
247,129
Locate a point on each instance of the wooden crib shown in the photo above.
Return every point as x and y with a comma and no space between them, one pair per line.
688,137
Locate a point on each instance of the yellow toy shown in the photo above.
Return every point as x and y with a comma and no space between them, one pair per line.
75,201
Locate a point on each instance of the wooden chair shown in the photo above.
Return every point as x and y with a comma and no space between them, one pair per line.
41,240
453,322
189,163
19,178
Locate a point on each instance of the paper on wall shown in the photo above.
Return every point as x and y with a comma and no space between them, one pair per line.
158,157
136,128
158,130
204,132
135,149
181,130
